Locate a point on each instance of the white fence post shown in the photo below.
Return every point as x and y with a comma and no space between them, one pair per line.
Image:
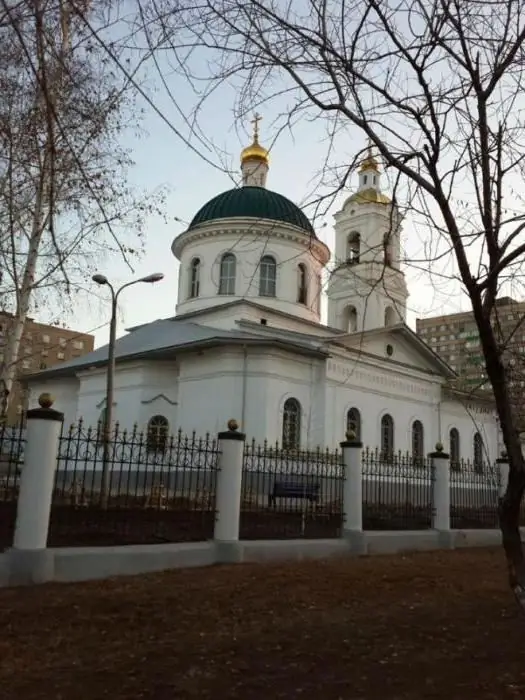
440,462
352,484
29,563
229,479
503,474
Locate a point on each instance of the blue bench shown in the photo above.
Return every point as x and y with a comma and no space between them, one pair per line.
309,490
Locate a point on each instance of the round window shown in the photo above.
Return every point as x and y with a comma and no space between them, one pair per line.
389,350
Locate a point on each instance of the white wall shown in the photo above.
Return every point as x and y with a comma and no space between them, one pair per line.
375,390
207,388
64,393
249,240
232,317
469,418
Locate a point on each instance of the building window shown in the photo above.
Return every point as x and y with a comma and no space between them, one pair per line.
291,424
26,364
350,319
158,429
478,452
60,355
43,365
195,273
390,316
353,422
387,248
46,339
267,276
227,274
78,344
418,445
454,449
62,342
302,284
101,425
353,248
387,437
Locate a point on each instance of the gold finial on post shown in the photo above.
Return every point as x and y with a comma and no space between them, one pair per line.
255,121
45,400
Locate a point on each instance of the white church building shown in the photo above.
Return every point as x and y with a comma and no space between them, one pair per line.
247,341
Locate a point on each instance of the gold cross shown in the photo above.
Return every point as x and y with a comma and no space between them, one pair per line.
255,121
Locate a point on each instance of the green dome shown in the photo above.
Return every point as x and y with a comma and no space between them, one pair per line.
257,202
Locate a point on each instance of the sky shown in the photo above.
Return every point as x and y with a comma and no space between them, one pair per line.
163,159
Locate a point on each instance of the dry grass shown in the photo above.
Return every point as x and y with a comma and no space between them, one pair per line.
391,628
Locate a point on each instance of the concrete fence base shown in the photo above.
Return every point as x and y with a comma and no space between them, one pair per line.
95,563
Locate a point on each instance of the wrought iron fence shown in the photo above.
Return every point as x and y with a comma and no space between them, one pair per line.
290,493
149,490
473,496
397,491
12,445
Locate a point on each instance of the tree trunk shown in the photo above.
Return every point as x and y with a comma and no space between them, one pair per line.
16,329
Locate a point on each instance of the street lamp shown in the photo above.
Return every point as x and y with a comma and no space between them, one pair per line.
110,375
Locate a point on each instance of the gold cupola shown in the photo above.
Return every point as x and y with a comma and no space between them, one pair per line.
369,163
255,160
255,151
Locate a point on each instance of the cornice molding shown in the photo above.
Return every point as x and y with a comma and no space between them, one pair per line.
246,227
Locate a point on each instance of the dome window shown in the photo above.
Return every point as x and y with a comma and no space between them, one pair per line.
195,273
267,276
227,274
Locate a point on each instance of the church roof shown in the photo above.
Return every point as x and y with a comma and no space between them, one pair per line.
164,337
256,202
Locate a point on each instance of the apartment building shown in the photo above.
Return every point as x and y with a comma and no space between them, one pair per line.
455,338
42,346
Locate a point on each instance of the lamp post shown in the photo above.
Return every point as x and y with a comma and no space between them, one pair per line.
110,375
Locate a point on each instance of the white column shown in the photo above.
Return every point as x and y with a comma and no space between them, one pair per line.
440,489
352,485
38,475
503,468
229,478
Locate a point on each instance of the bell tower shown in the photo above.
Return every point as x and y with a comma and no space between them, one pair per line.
367,289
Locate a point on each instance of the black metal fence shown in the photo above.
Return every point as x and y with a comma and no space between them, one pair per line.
473,496
12,444
397,491
290,494
149,491
162,489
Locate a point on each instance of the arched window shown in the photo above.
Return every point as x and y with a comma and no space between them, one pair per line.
350,319
291,424
353,422
353,248
387,437
101,425
302,284
157,436
390,316
418,443
387,248
227,274
478,452
267,276
195,274
454,449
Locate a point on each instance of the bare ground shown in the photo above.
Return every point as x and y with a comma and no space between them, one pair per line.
437,625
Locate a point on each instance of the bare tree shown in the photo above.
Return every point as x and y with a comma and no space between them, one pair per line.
65,201
436,86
